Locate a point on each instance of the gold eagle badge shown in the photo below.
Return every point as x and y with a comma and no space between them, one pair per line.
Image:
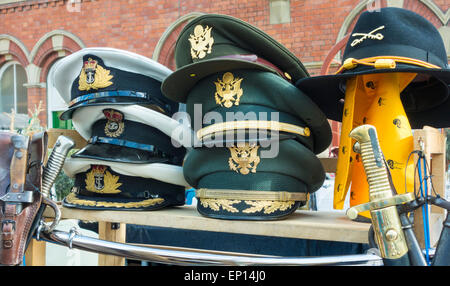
228,90
93,76
244,159
201,42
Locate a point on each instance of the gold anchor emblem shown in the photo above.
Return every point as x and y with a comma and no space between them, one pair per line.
93,76
244,159
228,90
201,42
99,180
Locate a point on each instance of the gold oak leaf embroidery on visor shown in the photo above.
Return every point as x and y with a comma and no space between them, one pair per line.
370,35
228,90
93,76
201,42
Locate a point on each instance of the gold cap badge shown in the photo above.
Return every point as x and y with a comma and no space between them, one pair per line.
93,76
244,159
228,90
99,180
201,42
115,125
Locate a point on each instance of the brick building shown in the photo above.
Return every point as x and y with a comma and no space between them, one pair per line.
35,34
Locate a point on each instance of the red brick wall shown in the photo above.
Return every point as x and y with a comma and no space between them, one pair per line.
137,25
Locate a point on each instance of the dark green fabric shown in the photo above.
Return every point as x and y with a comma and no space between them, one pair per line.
295,164
231,36
259,181
263,92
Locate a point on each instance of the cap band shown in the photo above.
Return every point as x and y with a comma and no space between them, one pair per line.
120,142
249,195
253,124
118,93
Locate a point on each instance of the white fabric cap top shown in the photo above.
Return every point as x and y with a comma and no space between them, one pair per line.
68,69
84,118
166,173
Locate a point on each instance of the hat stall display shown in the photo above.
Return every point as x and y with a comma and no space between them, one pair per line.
103,185
393,40
97,76
214,43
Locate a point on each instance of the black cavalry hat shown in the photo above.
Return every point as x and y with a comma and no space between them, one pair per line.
386,41
214,43
98,76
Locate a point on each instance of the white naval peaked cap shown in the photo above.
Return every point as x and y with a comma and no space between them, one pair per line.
166,173
178,130
68,69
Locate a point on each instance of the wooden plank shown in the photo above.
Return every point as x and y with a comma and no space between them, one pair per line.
115,232
317,225
54,133
35,253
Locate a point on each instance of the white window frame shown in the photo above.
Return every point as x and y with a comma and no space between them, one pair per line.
2,70
55,102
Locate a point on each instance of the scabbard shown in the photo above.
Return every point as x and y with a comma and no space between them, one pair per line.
442,254
401,261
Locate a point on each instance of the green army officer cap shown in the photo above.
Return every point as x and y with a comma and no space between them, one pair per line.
242,182
214,43
262,95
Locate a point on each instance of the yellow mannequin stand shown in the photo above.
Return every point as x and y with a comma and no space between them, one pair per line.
374,99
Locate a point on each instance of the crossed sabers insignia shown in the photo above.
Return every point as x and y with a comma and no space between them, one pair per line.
369,35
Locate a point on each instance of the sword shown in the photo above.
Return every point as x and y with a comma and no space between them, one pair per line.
382,203
54,165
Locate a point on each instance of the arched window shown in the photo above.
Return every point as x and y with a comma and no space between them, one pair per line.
56,104
13,93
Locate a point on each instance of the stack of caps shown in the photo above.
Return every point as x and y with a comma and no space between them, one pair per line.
258,134
131,162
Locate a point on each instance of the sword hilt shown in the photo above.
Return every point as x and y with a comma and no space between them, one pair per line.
382,205
55,163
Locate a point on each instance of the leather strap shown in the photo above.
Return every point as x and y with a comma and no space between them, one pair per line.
21,202
12,208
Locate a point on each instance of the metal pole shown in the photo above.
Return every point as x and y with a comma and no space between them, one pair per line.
184,257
